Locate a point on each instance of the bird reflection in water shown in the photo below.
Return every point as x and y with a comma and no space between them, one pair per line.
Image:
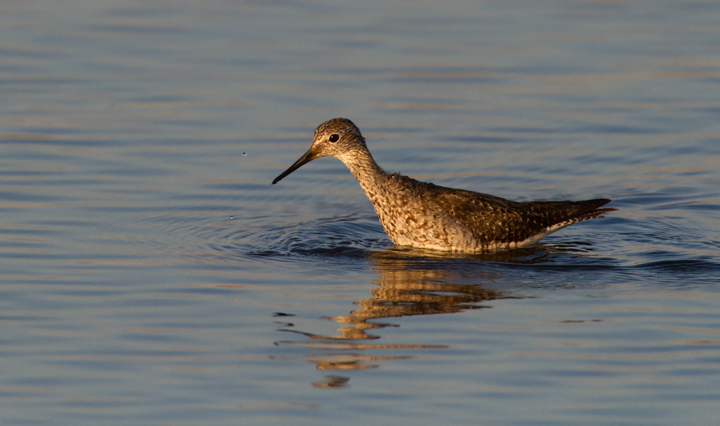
405,287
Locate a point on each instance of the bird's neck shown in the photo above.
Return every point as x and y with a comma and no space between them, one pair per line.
367,172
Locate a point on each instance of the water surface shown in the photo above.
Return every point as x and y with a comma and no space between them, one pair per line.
150,274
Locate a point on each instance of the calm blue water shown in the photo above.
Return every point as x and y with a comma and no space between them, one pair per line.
150,274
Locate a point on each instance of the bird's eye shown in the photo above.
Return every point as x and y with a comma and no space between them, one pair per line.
334,137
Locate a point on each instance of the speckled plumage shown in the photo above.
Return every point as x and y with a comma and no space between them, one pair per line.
425,215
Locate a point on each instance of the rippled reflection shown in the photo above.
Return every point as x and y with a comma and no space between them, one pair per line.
403,288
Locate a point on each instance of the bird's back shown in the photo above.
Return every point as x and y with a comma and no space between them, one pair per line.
427,215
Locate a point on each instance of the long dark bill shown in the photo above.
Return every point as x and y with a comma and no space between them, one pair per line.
306,158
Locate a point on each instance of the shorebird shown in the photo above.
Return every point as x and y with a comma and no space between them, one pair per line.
425,215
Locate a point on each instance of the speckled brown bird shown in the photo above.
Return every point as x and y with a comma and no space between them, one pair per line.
425,215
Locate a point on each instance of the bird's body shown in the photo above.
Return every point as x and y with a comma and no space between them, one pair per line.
425,215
